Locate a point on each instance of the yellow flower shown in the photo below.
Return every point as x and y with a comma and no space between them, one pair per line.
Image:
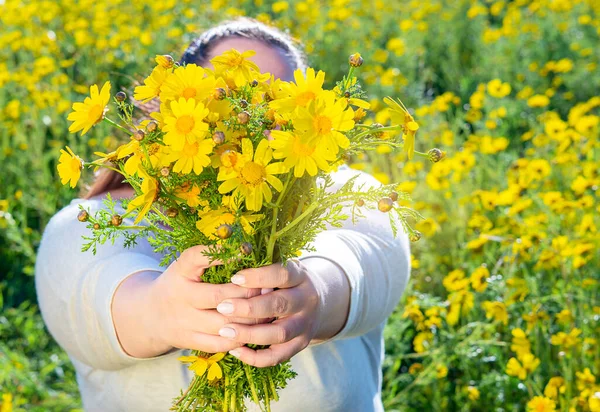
69,167
520,343
301,93
91,111
200,365
441,371
152,85
147,198
415,368
189,82
235,65
185,123
594,402
520,370
193,156
134,162
164,61
400,116
455,280
541,404
498,89
300,154
422,341
253,178
566,341
191,195
496,311
7,403
473,393
538,100
555,386
478,279
324,119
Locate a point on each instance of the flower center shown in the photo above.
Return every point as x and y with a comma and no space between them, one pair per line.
189,92
302,149
95,113
304,98
185,124
190,150
236,61
253,173
75,165
322,124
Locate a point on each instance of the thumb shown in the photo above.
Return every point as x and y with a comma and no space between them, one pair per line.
194,261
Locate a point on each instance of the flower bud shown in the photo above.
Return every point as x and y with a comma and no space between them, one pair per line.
164,172
139,135
415,236
243,103
96,226
224,231
220,93
375,133
246,248
385,204
360,203
359,114
394,196
83,216
254,83
355,60
243,117
120,96
165,61
151,126
116,220
435,155
172,212
218,137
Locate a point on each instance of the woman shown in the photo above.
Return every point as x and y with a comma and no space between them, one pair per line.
122,318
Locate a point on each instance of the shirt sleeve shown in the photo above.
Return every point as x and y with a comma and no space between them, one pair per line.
75,289
376,263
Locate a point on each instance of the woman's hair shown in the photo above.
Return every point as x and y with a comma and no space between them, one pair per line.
198,52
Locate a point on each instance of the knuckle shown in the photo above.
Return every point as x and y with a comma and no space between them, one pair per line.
217,295
283,274
280,305
282,334
247,309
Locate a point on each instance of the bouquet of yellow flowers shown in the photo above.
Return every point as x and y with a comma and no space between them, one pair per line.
237,161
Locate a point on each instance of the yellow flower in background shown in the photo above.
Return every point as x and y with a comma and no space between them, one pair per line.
496,311
152,85
7,403
541,404
190,82
528,364
566,341
455,280
399,115
252,180
496,88
200,365
520,343
300,93
185,124
441,371
422,341
300,154
236,65
538,100
69,167
91,111
555,386
146,199
473,393
479,279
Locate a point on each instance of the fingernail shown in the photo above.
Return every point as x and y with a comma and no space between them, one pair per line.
235,352
227,333
238,279
264,291
225,308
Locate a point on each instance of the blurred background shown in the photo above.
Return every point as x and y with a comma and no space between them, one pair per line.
503,310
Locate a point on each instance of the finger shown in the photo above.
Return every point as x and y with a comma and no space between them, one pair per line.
272,276
193,262
208,296
205,342
282,302
280,331
210,321
272,355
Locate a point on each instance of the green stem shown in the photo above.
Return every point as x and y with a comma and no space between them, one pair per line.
376,129
118,126
267,397
294,222
272,238
273,388
251,383
226,396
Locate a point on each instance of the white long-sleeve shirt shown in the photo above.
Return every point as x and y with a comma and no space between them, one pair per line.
75,291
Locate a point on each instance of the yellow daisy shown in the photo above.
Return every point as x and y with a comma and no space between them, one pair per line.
301,93
199,365
69,167
91,111
211,219
146,199
191,195
185,123
324,119
300,154
152,85
136,154
193,156
189,82
252,180
400,116
235,65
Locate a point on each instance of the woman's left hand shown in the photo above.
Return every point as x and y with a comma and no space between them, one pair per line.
295,305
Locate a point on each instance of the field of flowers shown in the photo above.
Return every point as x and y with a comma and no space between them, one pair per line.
503,312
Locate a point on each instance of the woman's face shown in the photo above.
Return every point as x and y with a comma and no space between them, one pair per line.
270,59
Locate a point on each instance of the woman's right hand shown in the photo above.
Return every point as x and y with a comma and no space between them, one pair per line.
154,313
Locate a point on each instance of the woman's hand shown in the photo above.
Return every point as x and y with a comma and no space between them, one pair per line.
154,313
298,304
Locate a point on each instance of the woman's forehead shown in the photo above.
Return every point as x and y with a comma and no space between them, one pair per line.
269,58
